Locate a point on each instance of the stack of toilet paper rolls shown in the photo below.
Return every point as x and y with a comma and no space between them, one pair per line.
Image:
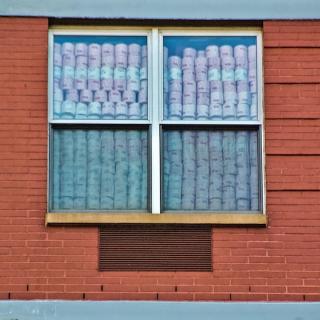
100,169
217,83
211,170
99,81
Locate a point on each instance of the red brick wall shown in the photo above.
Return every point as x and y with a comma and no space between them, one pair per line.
280,262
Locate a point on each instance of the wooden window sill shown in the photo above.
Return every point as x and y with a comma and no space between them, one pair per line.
242,218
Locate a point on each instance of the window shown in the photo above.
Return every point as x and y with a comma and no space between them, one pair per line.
155,125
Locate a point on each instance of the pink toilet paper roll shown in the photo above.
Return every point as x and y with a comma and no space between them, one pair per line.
241,51
86,96
114,96
175,85
107,49
212,51
174,62
203,86
82,61
203,99
188,64
69,60
72,95
81,49
189,98
225,51
57,48
57,59
190,86
252,53
100,96
175,97
67,48
129,96
121,55
189,53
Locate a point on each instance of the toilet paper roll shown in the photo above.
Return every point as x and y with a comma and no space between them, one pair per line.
57,95
108,110
174,62
243,111
189,111
175,111
57,109
114,96
57,59
82,61
68,109
189,53
144,111
81,111
212,51
187,63
121,55
94,110
81,78
189,98
241,51
175,85
107,49
229,110
134,111
144,73
108,61
133,85
134,60
86,96
94,52
203,98
175,97
226,51
202,111
57,72
189,87
215,111
57,48
252,53
189,76
203,86
93,78
100,96
81,49
72,95
121,110
129,96
67,48
143,96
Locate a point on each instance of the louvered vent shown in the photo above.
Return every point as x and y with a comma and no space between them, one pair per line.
155,248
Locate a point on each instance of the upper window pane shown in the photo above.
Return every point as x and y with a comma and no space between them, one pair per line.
100,77
210,78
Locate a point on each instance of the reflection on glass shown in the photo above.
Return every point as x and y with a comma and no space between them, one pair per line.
210,170
100,78
210,78
99,170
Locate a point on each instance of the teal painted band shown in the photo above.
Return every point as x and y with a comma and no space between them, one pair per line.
124,310
165,9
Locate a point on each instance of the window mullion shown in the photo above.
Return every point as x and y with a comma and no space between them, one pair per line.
155,139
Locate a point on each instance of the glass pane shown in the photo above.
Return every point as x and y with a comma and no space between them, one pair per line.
99,169
210,170
210,78
100,77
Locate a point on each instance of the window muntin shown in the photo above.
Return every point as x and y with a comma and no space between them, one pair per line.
157,121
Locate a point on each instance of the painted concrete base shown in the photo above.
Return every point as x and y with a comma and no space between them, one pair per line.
124,310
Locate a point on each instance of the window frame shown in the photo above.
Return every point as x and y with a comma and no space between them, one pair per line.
155,123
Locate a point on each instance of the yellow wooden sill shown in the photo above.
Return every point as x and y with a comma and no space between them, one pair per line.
175,218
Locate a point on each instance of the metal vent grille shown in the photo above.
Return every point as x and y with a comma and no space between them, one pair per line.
155,248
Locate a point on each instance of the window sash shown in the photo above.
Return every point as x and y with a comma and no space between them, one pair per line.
155,97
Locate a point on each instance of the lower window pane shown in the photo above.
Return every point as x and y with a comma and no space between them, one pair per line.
210,170
99,169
